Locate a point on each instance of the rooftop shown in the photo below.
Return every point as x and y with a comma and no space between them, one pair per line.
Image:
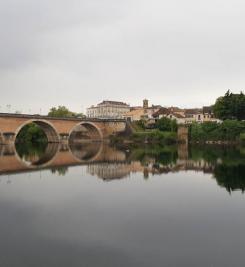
193,111
161,111
109,102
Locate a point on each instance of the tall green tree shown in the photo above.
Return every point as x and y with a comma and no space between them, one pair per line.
230,106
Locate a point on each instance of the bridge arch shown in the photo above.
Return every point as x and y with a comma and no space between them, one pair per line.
49,130
85,131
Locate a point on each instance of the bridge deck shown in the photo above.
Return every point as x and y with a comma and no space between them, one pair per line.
37,116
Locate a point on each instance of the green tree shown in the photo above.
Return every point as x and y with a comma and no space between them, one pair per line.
31,133
165,124
230,106
63,112
228,130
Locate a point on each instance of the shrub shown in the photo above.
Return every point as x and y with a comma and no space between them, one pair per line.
242,138
165,124
229,130
155,136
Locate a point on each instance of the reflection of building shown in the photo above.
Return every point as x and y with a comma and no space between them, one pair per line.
108,109
109,171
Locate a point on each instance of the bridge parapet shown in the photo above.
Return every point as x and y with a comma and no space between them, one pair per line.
42,117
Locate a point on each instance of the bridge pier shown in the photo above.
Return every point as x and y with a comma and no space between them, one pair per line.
1,139
64,138
183,135
7,150
8,138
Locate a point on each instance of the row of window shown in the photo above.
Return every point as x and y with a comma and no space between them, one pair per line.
111,112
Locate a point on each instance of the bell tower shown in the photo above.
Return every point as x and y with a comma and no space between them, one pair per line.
145,103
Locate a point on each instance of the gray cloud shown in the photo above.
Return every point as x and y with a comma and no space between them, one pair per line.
77,53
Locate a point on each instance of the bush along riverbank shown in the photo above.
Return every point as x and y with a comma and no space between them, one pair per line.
164,133
227,132
146,137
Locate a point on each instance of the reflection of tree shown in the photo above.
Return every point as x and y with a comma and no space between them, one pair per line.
226,154
225,162
36,154
207,153
159,154
232,177
61,171
31,150
228,163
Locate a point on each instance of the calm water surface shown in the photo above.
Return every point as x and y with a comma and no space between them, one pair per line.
95,205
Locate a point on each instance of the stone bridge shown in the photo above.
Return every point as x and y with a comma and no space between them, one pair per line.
59,129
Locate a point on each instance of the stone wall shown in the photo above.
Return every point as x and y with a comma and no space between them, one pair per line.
183,134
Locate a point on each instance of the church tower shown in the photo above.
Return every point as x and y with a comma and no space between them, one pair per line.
145,103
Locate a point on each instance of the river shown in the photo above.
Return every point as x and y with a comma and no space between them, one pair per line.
97,205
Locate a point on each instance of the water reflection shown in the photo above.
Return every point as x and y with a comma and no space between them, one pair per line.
86,151
38,155
227,164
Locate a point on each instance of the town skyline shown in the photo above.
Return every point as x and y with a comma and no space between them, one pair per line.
12,107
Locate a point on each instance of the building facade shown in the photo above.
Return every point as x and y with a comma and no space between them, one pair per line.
144,112
108,110
187,116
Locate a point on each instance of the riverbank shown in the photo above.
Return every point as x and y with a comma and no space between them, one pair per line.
146,137
229,132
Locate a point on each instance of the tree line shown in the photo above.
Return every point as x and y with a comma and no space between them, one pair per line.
230,106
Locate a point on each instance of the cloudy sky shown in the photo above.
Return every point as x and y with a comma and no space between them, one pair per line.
79,52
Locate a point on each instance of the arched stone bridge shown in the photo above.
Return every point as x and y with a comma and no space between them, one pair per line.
59,129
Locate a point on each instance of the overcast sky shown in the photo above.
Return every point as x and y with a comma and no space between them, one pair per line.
79,52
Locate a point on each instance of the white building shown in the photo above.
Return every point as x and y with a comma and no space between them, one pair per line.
108,110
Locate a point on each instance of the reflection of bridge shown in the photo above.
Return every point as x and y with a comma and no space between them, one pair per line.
109,163
58,155
102,160
59,129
